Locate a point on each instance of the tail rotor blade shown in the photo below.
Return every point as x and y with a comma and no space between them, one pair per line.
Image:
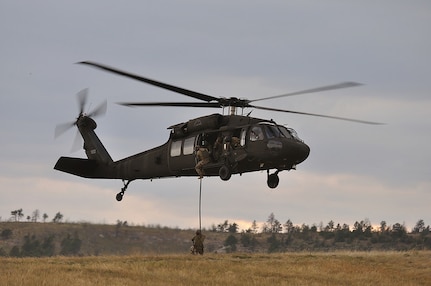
77,142
62,128
82,99
100,110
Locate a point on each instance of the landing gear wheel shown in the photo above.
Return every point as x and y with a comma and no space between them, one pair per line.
273,180
224,173
119,196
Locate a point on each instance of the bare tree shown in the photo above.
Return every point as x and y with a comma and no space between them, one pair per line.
35,215
254,227
272,225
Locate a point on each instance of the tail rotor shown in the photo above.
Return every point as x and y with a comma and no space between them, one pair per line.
82,98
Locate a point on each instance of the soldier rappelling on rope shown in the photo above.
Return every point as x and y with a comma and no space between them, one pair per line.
198,243
203,157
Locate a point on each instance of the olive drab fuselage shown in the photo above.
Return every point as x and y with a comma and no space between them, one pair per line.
247,144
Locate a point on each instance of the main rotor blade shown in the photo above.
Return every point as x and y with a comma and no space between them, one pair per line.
312,90
175,104
173,88
319,115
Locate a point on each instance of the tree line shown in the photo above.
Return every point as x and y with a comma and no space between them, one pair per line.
278,237
270,236
18,215
273,225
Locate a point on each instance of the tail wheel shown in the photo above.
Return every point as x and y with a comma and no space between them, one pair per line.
224,173
120,195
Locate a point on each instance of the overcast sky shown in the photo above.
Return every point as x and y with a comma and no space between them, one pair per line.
246,49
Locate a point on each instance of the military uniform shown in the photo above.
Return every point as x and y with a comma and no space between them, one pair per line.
203,158
198,243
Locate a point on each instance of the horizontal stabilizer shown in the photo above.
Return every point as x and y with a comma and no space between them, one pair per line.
81,167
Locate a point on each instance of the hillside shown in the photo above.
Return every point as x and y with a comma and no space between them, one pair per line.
47,239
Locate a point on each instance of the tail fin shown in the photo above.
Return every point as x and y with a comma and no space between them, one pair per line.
93,147
99,162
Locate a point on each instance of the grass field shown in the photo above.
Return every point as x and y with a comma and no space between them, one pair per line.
336,268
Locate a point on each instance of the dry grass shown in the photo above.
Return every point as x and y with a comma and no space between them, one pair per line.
336,268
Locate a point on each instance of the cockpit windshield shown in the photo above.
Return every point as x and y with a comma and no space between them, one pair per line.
281,131
272,131
286,133
291,132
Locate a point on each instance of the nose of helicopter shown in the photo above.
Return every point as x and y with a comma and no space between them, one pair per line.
303,152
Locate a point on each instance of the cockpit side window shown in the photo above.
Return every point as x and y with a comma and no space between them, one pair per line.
256,133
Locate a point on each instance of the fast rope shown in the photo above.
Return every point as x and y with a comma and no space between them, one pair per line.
200,204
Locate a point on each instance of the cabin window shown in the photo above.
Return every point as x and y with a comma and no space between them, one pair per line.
256,133
176,148
189,145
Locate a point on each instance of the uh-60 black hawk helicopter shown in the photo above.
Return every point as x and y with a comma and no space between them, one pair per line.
236,143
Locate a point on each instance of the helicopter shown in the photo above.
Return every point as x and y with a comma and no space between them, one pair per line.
235,143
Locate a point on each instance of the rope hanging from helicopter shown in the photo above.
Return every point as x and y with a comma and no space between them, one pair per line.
200,205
